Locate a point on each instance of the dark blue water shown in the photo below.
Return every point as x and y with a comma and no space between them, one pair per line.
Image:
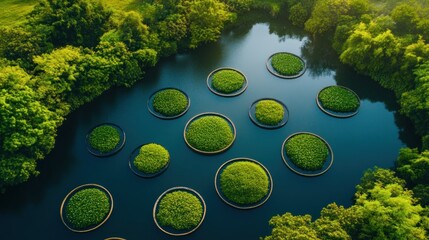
371,138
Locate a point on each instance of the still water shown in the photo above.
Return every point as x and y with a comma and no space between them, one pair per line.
371,138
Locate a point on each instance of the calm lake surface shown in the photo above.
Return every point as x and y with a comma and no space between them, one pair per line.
371,138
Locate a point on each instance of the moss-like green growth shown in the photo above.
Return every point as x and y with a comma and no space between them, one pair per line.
209,133
104,138
227,81
307,151
87,207
180,210
151,158
269,112
338,99
170,102
244,182
287,64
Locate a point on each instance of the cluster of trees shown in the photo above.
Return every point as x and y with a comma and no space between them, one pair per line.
387,41
69,52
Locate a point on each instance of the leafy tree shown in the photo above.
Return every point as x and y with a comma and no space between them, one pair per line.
298,14
325,15
292,227
27,129
75,22
406,17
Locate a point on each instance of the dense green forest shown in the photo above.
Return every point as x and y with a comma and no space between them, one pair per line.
65,53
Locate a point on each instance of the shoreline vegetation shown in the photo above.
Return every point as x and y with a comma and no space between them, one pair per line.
66,53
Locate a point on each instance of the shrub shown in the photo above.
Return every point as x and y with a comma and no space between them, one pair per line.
180,210
227,81
104,138
170,102
209,133
244,182
87,207
307,151
269,112
287,64
338,99
151,158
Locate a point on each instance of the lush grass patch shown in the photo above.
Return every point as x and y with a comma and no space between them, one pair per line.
87,207
170,102
151,158
104,138
269,112
244,182
307,151
13,12
209,133
338,99
227,81
287,64
180,210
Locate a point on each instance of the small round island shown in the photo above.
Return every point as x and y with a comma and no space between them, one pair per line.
338,101
86,208
286,65
105,139
307,154
243,183
269,113
149,160
179,211
227,82
168,103
209,133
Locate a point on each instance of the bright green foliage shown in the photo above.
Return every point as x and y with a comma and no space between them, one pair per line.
27,129
209,133
206,20
291,227
269,112
13,12
338,99
307,152
86,208
104,138
227,81
170,102
180,210
151,158
244,182
75,22
287,64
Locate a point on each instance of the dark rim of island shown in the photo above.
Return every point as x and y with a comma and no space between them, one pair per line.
161,116
252,115
173,189
232,204
77,189
230,123
233,94
302,172
118,147
334,113
115,238
139,173
275,73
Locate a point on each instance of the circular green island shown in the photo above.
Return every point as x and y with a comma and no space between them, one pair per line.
269,112
179,211
209,133
149,160
286,65
168,103
227,82
338,101
308,152
243,183
105,139
86,208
